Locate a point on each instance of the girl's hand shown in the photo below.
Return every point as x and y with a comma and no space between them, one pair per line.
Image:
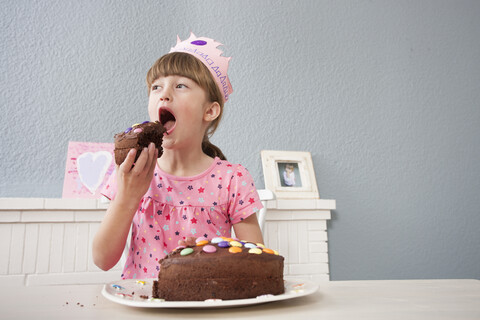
134,179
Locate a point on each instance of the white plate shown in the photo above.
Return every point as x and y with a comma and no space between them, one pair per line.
128,292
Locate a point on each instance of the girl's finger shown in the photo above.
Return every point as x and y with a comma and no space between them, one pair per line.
154,162
141,161
148,163
128,162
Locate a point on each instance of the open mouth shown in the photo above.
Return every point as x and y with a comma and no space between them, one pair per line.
167,119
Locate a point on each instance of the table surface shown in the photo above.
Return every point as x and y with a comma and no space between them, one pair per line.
380,299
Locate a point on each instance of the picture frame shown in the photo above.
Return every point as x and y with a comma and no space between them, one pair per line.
289,174
88,167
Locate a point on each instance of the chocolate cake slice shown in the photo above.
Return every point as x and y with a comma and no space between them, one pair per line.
138,137
222,268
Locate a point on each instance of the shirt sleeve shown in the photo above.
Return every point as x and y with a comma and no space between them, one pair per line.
244,200
110,188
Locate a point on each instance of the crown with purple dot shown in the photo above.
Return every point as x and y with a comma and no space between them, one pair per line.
205,49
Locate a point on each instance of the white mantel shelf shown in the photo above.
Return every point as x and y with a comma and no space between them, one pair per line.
50,209
297,204
48,240
94,204
51,204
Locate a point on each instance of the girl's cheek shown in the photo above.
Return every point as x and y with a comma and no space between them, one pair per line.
152,113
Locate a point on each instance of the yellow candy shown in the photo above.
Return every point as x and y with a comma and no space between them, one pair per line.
255,251
136,124
276,252
268,251
261,245
235,244
202,243
234,250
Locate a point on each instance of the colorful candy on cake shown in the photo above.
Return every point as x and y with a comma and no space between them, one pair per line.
138,137
222,268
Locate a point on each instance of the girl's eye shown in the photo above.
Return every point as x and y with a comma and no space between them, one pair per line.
181,85
155,88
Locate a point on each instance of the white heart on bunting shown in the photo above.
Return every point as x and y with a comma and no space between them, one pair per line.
92,168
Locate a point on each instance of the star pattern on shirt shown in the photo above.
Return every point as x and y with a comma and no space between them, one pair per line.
173,209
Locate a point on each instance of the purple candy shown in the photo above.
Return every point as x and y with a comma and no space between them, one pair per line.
199,42
224,244
128,130
145,122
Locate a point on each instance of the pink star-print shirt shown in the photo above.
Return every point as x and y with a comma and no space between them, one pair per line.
174,208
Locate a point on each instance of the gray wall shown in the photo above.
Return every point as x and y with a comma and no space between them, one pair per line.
384,94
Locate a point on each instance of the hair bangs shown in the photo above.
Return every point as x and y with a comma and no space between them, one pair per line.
180,64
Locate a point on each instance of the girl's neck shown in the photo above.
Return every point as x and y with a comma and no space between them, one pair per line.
184,164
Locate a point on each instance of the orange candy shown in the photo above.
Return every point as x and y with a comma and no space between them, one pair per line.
234,250
202,243
266,250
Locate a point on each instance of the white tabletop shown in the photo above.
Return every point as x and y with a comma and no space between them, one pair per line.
397,299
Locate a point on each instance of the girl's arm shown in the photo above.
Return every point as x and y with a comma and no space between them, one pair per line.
249,230
133,182
110,239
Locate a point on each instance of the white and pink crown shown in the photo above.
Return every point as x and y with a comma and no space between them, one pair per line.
205,49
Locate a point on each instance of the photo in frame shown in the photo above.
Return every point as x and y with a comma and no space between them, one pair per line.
289,174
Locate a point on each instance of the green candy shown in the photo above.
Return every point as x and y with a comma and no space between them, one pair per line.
186,251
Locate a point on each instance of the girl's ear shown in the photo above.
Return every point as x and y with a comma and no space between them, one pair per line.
212,112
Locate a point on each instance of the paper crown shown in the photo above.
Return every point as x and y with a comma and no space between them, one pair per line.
205,49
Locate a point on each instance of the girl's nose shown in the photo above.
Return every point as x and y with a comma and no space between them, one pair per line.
165,95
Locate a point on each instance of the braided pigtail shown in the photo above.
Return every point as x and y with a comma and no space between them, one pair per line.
212,150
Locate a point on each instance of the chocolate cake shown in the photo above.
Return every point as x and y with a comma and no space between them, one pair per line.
138,137
219,269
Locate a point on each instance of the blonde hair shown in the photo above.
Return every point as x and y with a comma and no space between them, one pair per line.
185,65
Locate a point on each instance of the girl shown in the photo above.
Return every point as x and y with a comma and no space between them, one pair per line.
289,175
191,190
